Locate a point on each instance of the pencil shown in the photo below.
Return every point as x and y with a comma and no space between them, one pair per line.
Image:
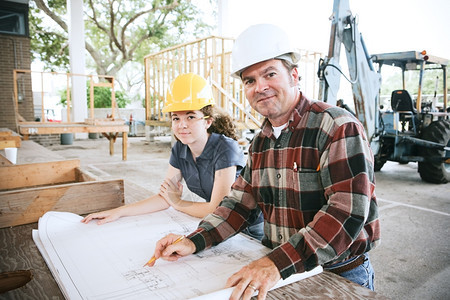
154,258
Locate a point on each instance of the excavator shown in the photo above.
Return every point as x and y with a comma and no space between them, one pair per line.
405,131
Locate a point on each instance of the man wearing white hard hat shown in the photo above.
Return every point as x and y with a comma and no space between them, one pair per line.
310,171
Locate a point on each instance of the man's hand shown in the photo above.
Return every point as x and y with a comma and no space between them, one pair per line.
168,249
260,275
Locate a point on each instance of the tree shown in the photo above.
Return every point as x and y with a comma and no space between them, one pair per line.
394,81
116,31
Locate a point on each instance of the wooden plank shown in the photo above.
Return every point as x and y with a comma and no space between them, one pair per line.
158,123
28,205
33,128
28,175
19,252
124,146
9,139
58,128
325,285
108,121
81,176
7,144
103,84
5,132
32,152
4,161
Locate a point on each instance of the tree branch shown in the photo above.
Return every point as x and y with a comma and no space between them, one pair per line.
113,36
41,5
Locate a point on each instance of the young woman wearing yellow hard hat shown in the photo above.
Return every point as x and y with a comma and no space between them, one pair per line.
206,155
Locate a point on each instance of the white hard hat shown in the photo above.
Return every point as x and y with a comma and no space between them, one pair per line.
260,43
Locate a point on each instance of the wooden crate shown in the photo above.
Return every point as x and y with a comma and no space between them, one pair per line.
28,191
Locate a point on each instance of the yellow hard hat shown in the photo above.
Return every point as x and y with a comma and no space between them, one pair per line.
188,92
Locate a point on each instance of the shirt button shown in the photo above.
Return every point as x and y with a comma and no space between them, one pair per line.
278,145
280,237
278,176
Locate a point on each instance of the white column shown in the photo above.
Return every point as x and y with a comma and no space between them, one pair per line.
77,61
223,18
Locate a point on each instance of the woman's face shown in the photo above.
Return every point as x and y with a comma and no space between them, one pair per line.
190,126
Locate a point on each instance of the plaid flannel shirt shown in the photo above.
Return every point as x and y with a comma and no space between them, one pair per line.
315,185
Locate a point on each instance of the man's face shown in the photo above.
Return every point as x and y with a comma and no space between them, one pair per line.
271,90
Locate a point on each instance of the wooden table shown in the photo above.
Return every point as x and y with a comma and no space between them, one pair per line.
110,131
18,252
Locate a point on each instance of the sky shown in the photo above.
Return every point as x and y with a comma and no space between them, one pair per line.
386,25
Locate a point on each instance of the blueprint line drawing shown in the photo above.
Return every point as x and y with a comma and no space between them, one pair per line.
91,261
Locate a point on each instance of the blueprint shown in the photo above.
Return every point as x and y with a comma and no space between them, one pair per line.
91,261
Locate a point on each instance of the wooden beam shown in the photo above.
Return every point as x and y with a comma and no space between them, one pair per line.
158,123
5,162
25,206
28,175
40,128
107,129
9,139
7,144
124,145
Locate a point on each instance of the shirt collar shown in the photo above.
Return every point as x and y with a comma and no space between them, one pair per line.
206,153
294,119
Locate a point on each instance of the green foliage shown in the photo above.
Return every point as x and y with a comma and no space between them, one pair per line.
47,44
116,32
102,97
394,81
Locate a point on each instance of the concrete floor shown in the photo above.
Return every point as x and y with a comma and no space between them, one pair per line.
413,259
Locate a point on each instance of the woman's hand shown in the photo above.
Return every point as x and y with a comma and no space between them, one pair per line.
104,216
171,192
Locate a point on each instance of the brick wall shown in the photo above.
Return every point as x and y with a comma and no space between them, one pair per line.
46,139
14,54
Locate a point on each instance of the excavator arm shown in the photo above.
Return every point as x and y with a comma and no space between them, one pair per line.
365,81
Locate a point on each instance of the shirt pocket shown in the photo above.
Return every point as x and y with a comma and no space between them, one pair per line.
307,190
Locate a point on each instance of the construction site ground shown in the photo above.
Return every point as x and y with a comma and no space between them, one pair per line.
413,259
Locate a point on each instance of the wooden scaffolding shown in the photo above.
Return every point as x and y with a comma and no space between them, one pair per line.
211,58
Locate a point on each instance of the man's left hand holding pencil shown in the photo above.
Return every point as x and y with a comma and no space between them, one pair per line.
172,247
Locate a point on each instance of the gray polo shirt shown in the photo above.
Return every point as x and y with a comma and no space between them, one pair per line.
220,152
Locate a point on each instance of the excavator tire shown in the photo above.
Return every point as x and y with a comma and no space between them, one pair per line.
435,172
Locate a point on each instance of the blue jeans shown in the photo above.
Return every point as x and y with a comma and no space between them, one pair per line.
362,275
256,231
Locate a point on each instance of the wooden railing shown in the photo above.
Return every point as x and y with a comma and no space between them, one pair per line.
94,81
211,58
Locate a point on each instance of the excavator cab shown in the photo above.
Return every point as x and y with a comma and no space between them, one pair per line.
401,103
